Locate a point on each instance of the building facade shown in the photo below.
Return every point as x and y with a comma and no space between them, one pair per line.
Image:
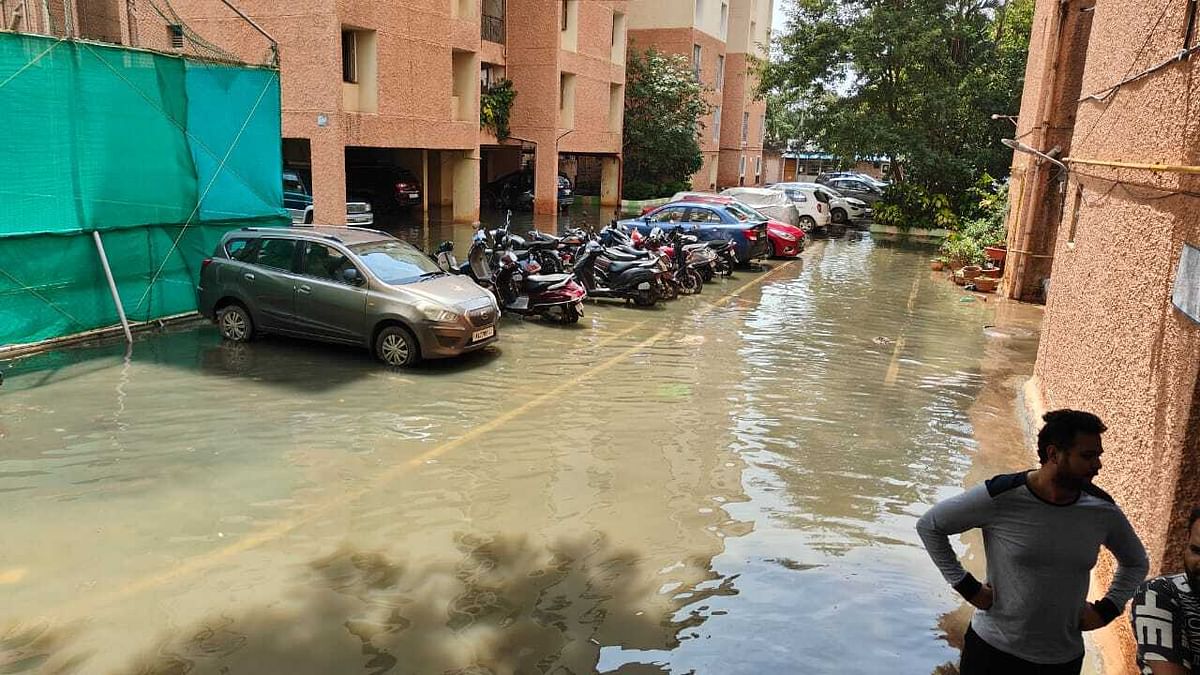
372,87
1101,241
722,38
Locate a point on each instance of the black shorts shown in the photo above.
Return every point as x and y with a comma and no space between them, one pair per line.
980,658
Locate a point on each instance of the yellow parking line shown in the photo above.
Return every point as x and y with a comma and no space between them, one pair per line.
282,528
893,370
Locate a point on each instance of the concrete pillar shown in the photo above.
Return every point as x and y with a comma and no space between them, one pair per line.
545,186
328,178
466,186
425,180
610,181
445,167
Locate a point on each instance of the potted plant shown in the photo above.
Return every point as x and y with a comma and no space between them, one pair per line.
986,284
936,264
972,272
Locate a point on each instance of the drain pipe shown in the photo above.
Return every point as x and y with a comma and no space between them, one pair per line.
112,286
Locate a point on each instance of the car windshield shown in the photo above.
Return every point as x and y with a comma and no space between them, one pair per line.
396,262
292,184
744,213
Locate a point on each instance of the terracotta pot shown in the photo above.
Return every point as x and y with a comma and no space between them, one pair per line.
996,253
959,278
992,273
972,271
935,265
986,284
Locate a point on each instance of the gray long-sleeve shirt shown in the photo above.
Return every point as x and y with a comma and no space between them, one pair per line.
1039,560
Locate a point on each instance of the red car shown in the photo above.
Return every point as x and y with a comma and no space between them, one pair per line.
787,241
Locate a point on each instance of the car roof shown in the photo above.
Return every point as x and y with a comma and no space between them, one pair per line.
339,233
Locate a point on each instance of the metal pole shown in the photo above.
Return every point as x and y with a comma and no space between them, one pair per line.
112,286
274,42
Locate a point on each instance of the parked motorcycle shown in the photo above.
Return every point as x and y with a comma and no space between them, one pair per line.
636,280
517,284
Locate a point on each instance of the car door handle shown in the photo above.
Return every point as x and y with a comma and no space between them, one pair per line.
248,276
305,289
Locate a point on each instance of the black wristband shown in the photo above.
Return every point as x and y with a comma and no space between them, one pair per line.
968,587
1107,609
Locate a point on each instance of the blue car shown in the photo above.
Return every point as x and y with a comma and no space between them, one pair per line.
709,222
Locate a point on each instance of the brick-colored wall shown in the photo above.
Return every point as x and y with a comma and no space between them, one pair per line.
1111,341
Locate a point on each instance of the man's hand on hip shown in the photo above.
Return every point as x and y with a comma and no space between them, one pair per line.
1089,618
983,598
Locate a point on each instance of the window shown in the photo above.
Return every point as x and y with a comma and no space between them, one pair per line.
742,166
717,124
616,107
175,34
720,71
762,130
724,19
277,253
618,38
566,101
240,250
671,215
569,25
696,56
745,126
325,263
703,216
396,262
349,57
565,23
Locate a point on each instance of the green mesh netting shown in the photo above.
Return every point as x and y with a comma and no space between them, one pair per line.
159,154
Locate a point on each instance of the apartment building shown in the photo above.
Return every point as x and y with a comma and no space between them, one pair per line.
721,37
375,88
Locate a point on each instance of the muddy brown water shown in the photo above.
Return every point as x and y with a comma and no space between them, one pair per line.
726,484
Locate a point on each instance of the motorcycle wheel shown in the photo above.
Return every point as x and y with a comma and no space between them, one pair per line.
646,298
690,282
669,290
707,273
570,314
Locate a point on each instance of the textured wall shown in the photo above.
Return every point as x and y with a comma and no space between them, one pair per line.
1111,341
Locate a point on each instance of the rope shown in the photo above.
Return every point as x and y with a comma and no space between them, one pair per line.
44,299
178,125
27,66
211,182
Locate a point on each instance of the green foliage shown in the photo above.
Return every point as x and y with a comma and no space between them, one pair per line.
906,205
663,107
495,105
986,225
638,190
916,81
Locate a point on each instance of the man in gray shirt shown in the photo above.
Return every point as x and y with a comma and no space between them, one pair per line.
1042,532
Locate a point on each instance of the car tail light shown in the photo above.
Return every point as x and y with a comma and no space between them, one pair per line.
205,263
820,207
751,235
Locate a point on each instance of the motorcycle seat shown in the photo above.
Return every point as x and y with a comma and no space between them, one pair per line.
620,254
535,283
542,244
618,267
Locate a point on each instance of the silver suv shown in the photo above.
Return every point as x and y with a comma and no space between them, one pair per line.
347,285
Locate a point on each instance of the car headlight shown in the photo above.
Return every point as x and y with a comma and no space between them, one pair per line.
436,312
784,235
368,209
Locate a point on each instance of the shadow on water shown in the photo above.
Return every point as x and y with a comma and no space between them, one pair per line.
502,604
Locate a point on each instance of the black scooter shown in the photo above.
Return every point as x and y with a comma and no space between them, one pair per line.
636,280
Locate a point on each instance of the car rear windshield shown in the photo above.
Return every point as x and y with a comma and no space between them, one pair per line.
744,213
395,262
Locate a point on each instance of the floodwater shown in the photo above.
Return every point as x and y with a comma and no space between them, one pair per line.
725,484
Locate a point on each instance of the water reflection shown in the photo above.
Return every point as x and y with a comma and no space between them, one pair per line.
726,485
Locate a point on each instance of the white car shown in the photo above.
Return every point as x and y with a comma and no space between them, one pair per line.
843,209
812,212
771,203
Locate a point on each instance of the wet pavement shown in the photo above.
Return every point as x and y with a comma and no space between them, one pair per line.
724,484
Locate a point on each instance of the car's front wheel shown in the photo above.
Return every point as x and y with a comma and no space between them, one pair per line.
807,223
396,346
838,216
235,323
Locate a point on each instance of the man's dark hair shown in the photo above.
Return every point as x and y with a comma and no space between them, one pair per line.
1061,427
1193,518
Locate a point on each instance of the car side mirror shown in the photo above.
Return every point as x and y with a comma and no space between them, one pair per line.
352,277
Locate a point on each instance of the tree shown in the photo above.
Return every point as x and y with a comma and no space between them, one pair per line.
663,106
914,80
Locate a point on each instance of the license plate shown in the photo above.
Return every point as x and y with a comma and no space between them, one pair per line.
483,334
414,196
